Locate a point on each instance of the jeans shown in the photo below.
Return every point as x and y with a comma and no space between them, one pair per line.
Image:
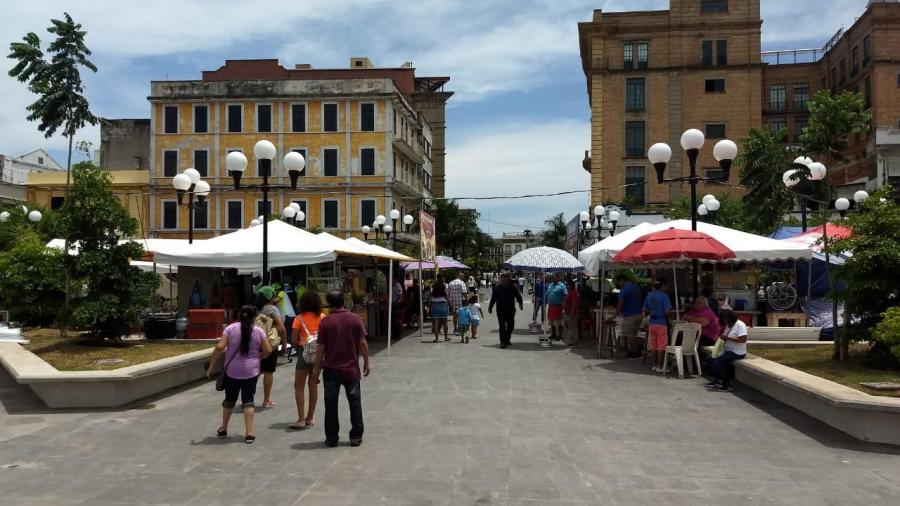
333,383
245,387
719,366
539,306
507,321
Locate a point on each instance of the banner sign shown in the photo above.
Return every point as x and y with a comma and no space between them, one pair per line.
428,231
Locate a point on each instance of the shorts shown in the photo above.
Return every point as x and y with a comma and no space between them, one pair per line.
555,312
463,328
302,365
659,337
245,387
631,324
476,323
269,363
439,310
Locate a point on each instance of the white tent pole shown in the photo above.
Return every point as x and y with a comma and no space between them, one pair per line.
390,302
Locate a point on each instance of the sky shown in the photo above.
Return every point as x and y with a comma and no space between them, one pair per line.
518,123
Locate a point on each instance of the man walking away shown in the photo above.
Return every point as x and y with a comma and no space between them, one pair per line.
632,310
456,292
505,297
342,337
537,298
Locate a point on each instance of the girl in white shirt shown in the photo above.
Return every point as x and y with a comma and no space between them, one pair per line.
735,337
477,315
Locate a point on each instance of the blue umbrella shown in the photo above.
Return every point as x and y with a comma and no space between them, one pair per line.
544,259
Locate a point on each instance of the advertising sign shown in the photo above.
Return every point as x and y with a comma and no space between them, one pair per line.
428,231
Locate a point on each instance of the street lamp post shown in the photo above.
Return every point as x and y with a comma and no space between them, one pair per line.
708,209
692,141
293,213
189,182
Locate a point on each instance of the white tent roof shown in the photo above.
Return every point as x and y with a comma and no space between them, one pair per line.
149,245
747,247
376,250
344,247
288,245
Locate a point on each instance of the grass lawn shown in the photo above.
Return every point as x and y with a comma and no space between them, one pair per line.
73,354
817,361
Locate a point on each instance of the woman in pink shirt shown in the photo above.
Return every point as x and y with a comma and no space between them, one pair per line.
245,345
703,315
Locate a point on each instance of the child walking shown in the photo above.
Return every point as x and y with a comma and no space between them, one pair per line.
476,313
464,317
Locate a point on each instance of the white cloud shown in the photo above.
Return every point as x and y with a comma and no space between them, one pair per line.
517,158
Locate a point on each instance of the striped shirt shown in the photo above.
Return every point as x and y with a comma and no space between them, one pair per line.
456,290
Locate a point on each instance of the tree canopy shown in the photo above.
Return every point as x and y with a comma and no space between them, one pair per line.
556,232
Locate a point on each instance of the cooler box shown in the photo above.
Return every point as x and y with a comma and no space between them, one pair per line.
206,316
204,331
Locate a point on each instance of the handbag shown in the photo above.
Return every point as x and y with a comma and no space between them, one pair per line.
311,346
719,348
220,377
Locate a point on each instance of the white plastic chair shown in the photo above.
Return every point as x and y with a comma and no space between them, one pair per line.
688,348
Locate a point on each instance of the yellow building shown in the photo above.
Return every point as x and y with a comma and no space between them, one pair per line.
368,148
131,186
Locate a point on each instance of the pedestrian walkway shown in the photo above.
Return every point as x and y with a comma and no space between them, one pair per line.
456,424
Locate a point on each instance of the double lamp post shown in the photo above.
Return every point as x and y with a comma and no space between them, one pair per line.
379,226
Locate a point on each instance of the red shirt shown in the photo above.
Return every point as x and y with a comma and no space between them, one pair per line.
340,333
571,305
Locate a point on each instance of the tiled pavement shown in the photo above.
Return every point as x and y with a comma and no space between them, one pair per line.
454,424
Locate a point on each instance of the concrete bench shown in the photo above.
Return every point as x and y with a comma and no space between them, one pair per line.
100,389
863,416
783,333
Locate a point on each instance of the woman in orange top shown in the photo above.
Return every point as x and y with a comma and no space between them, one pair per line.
309,315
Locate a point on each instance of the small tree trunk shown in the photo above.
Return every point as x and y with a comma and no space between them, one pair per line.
63,329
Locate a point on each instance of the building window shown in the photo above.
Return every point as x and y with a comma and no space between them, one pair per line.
170,119
854,61
721,53
801,96
715,86
715,131
235,119
634,181
264,118
634,138
643,54
264,208
777,124
329,117
395,164
201,162
867,50
714,173
40,160
298,117
713,6
367,161
302,152
800,125
235,214
628,55
170,214
367,117
843,72
263,167
634,94
707,52
366,212
201,119
330,162
331,216
777,97
868,87
518,248
201,214
56,202
507,249
170,163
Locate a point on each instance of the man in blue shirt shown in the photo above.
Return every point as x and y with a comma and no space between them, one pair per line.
537,298
632,311
658,307
556,295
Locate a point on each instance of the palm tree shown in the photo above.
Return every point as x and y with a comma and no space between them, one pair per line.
556,232
57,82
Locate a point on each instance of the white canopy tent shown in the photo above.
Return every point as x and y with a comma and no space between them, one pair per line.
747,247
288,245
150,245
346,247
377,250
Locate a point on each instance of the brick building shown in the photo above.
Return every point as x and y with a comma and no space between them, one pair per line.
652,75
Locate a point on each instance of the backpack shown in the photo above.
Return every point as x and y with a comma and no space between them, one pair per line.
311,346
267,324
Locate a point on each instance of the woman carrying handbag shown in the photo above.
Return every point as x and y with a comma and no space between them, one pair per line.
245,346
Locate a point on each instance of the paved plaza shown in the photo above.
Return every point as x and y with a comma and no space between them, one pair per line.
452,424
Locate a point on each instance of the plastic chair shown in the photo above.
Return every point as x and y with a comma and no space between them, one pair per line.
688,348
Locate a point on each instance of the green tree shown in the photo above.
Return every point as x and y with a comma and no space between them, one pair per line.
763,160
457,229
32,284
731,213
556,232
870,275
57,82
832,118
115,291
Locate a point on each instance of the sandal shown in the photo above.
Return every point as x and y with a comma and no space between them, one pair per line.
447,339
298,425
221,433
310,423
269,404
249,439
